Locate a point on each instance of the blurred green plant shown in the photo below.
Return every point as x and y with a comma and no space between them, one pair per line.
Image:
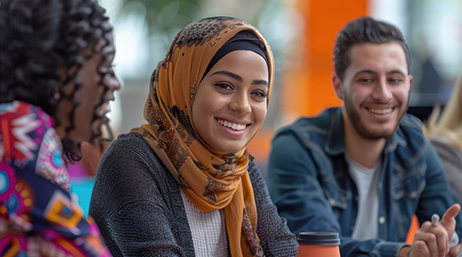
167,16
150,26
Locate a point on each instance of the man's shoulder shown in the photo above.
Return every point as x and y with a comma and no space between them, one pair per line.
307,133
318,124
411,121
410,129
411,144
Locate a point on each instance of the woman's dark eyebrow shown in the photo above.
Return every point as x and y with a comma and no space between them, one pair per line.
233,75
239,78
260,82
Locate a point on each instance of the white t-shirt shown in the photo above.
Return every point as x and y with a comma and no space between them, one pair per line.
366,180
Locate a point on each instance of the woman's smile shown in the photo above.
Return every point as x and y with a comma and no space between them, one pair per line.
232,125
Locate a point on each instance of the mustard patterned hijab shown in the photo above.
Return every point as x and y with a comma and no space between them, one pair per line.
211,180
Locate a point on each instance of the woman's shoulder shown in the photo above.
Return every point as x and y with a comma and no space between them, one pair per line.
445,148
131,155
128,140
252,167
130,150
33,144
255,174
128,145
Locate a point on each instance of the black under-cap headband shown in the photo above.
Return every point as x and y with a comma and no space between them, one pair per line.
244,40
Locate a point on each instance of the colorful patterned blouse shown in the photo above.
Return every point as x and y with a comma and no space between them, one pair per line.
38,215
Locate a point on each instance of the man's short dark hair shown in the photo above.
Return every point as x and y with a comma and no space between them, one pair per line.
365,30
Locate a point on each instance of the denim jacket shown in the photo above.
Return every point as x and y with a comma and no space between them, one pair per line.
309,182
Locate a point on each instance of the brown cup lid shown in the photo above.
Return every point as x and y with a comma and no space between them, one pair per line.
318,238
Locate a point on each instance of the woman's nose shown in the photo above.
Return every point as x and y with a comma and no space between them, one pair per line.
240,104
115,82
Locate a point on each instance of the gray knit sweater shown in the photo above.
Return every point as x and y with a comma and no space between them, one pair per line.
452,161
137,205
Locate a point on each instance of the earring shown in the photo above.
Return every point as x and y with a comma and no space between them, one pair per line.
56,95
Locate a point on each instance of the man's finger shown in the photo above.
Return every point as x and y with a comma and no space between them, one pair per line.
425,243
451,213
454,251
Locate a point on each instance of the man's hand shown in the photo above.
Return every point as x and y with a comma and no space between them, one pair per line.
454,251
433,240
448,220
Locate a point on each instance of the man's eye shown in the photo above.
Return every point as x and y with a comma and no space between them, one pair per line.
365,80
395,81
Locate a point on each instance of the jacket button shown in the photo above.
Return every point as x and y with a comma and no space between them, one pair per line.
382,220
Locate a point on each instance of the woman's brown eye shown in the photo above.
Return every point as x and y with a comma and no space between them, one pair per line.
224,86
260,94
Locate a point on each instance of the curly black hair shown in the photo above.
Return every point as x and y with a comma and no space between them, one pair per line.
41,42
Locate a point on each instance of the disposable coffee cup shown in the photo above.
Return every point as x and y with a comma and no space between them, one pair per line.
318,244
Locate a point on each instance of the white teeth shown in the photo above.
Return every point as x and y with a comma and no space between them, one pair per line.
381,111
105,108
231,125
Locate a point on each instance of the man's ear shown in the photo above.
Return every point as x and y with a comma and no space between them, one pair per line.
410,80
337,83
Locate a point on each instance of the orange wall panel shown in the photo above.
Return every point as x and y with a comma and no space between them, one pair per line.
322,20
306,86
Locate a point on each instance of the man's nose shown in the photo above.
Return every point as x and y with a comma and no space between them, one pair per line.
382,91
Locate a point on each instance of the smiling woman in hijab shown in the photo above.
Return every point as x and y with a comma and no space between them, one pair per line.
185,184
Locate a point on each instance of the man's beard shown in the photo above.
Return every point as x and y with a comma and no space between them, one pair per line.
362,129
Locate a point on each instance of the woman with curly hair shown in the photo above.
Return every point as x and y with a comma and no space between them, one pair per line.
56,81
185,184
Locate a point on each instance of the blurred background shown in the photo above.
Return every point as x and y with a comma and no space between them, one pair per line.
302,35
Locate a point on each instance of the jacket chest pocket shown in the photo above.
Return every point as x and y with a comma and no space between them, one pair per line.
409,183
335,195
